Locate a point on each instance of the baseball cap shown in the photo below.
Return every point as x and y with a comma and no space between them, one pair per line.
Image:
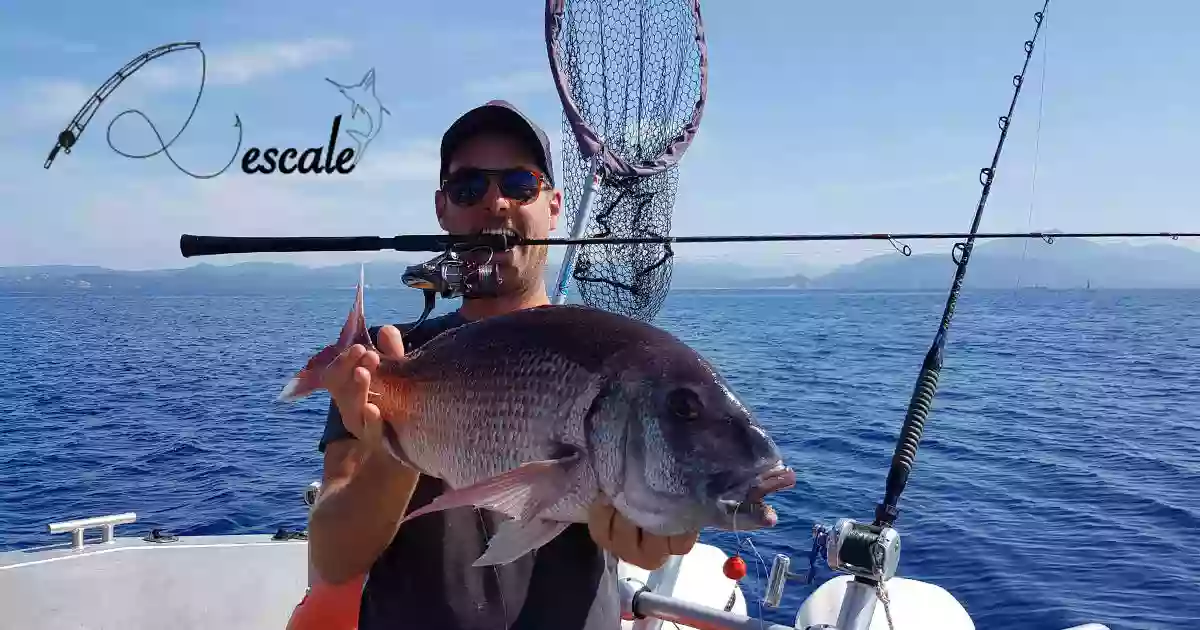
501,116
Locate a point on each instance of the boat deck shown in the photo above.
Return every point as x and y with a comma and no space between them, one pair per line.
229,582
254,582
248,582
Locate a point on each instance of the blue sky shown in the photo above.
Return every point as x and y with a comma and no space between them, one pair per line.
821,117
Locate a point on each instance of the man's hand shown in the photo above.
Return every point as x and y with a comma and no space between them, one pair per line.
348,380
367,490
628,542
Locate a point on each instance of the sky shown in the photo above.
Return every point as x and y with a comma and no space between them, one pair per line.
821,117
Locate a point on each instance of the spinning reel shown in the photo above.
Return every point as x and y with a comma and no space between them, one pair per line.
449,275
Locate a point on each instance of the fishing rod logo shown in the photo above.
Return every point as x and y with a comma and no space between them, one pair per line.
361,95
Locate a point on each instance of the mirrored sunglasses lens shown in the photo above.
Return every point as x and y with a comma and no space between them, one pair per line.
521,185
467,187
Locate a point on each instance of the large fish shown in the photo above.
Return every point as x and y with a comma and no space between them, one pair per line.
537,413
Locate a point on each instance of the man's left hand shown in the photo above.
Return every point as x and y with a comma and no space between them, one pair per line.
612,531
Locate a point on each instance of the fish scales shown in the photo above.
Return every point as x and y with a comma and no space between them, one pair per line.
540,412
475,415
519,396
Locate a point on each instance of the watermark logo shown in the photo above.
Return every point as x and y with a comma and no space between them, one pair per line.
366,112
291,160
74,130
364,101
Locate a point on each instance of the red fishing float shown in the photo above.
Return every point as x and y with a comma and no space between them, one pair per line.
734,568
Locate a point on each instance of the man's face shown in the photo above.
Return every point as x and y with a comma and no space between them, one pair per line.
522,267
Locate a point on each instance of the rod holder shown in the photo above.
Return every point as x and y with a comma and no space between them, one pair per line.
311,493
780,573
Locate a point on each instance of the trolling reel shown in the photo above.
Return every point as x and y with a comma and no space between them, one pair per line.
863,550
450,275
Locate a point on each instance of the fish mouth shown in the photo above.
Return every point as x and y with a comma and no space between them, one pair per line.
753,512
774,480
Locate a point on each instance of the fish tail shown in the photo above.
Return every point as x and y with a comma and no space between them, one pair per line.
308,379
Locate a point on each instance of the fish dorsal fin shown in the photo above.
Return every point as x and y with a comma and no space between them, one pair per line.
355,329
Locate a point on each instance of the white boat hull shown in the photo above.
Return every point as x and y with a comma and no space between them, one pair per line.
913,604
254,582
697,577
204,582
250,582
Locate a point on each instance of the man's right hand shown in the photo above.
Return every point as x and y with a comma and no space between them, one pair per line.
366,491
348,380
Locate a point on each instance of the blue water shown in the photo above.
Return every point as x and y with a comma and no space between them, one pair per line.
1058,481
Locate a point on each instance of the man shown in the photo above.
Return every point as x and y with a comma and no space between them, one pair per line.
495,174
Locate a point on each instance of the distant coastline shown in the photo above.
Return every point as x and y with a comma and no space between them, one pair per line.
1065,265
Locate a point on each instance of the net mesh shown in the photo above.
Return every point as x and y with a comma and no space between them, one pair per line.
634,73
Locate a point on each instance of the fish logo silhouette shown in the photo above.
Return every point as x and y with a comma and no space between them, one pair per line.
364,101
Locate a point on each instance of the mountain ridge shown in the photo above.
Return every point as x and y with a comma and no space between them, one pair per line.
1065,264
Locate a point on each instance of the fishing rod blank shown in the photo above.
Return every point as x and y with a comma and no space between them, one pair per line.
878,236
192,245
927,380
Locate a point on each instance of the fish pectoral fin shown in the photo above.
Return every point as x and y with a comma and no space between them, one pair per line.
515,538
519,493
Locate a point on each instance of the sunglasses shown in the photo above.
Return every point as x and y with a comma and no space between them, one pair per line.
467,186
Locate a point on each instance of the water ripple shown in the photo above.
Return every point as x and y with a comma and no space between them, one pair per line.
1056,483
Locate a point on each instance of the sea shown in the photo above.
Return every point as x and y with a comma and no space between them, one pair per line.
1057,482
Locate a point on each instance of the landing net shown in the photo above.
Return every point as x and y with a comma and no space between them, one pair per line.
632,79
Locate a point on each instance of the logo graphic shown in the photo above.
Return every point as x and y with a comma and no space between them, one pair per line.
363,100
292,160
366,109
70,136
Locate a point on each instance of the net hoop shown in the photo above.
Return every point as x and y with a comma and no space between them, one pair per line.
587,140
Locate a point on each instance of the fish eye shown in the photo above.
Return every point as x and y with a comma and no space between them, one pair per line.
683,403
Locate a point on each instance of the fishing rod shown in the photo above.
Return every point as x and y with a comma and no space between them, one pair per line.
927,380
194,245
870,553
879,538
450,275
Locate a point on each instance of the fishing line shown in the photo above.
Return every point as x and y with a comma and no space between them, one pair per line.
758,568
1037,149
925,388
496,570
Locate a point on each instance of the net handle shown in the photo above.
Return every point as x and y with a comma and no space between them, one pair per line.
589,143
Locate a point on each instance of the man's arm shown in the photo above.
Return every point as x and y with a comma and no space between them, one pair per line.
363,498
365,491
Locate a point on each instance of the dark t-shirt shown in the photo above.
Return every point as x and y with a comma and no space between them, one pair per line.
424,579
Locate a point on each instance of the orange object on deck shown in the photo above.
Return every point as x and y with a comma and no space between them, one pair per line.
328,607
